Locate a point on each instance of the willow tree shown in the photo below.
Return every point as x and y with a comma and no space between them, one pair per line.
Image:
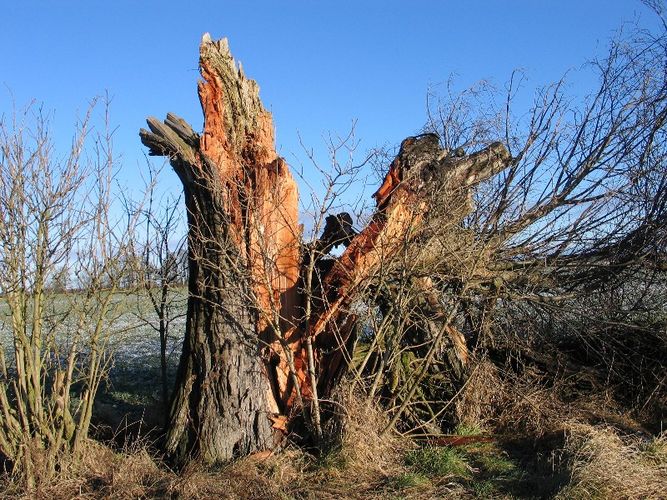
270,323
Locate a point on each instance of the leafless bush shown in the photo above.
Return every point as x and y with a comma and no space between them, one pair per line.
566,247
159,266
61,260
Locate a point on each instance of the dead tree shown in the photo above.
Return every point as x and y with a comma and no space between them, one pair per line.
269,326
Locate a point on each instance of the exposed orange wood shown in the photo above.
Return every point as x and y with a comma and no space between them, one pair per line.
261,198
400,211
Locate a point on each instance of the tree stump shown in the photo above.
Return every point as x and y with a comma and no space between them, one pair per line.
263,342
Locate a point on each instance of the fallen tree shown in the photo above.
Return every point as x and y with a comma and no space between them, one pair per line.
562,224
270,325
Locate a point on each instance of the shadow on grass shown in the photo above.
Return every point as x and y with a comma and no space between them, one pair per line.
506,469
129,406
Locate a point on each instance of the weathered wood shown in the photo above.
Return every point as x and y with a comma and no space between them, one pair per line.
402,202
251,351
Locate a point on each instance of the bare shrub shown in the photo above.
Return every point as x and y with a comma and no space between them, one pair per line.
61,261
159,265
559,265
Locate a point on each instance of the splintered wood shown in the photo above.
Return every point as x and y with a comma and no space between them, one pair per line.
235,160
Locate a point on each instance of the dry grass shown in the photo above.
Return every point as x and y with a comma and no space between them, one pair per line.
603,456
360,462
97,472
605,465
511,404
242,479
601,463
532,404
362,444
358,468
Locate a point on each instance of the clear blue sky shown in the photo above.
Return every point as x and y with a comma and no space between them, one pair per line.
320,64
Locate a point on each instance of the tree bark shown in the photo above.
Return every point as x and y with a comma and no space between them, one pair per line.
251,351
243,247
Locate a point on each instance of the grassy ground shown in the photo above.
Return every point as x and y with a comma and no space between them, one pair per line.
131,399
584,461
521,441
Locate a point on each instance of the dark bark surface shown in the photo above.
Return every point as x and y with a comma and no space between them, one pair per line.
219,409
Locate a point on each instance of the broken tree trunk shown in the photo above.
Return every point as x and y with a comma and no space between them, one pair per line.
262,341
